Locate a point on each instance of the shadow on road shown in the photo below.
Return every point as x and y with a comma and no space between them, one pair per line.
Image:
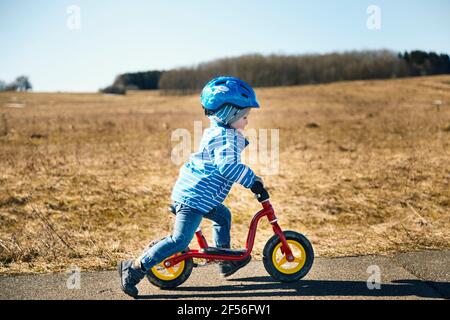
267,287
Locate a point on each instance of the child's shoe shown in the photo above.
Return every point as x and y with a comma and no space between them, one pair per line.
129,277
227,268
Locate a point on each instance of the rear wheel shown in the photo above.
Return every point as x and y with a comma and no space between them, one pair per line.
275,261
172,277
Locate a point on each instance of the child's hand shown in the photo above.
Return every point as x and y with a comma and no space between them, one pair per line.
260,192
259,179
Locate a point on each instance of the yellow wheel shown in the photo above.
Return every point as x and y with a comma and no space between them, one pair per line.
170,273
276,263
282,264
169,278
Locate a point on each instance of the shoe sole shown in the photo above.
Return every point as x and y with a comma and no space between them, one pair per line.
119,269
226,275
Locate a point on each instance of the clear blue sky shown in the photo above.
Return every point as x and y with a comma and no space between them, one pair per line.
126,36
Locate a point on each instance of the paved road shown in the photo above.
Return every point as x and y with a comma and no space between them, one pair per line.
422,275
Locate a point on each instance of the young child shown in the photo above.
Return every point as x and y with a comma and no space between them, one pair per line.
205,181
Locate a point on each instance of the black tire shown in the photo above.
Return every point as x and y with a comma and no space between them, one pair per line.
268,253
175,282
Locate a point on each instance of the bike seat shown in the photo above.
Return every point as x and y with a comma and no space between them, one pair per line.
229,252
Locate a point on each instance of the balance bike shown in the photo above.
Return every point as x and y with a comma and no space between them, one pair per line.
288,255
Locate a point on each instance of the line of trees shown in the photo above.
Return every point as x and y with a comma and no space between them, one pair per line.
285,70
422,63
22,83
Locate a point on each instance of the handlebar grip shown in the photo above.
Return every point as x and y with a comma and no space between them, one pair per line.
259,191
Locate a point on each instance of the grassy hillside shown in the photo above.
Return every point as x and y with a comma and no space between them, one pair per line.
85,178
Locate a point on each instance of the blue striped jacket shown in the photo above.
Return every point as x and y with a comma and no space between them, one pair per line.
206,179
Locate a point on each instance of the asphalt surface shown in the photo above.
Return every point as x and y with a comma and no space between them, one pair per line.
420,275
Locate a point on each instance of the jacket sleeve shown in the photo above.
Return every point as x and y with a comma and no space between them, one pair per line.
227,159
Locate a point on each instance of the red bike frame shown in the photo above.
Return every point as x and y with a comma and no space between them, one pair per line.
267,211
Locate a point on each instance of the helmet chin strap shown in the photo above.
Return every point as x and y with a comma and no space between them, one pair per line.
218,120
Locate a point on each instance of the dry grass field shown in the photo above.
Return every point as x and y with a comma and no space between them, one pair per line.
85,178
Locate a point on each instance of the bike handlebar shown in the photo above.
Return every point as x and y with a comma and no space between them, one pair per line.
259,191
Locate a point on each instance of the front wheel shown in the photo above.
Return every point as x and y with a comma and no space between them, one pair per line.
275,260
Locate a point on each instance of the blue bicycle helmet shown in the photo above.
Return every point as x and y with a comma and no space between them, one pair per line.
227,91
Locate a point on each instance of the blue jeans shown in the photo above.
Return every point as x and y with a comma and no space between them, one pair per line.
187,222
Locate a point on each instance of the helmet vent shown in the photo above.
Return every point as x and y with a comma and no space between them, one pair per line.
244,95
218,83
246,89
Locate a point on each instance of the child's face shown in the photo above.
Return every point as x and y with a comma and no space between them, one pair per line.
241,123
